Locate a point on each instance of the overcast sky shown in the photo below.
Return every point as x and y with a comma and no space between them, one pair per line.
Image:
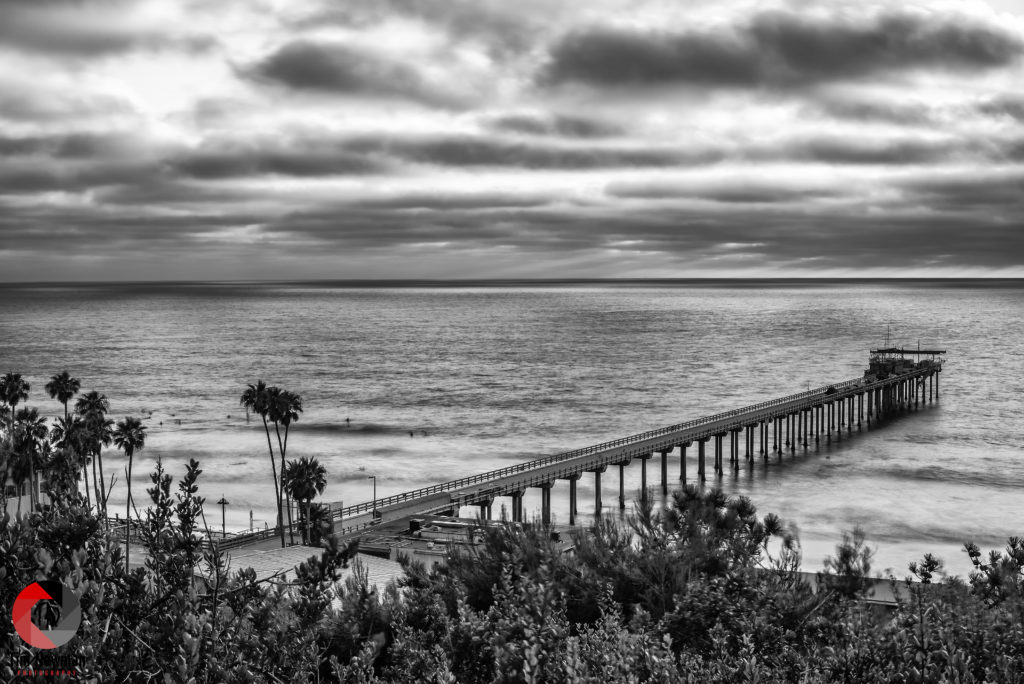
248,139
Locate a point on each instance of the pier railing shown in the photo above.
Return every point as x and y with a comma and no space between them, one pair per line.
357,509
223,541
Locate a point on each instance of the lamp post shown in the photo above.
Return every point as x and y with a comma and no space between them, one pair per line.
374,478
223,503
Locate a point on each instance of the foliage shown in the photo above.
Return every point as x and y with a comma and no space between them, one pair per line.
702,590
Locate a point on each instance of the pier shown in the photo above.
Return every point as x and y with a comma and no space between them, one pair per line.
896,380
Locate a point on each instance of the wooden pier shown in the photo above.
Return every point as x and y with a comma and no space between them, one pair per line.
892,383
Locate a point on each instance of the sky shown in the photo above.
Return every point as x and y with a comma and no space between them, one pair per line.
388,139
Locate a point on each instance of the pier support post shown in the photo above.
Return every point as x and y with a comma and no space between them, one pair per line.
794,425
643,476
597,492
736,449
849,416
682,461
664,472
762,432
718,454
517,506
860,409
572,499
701,475
936,384
622,486
545,504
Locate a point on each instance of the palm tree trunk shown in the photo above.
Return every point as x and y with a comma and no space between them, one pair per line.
309,523
102,504
32,498
128,513
85,473
95,485
288,505
277,487
284,495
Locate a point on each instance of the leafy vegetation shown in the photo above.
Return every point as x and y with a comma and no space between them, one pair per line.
702,590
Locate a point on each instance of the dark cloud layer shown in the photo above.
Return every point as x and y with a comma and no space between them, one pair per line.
433,138
554,125
479,151
257,162
781,48
339,69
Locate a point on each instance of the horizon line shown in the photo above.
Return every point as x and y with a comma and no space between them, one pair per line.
521,281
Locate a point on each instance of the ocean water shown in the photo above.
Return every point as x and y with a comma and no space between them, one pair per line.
418,385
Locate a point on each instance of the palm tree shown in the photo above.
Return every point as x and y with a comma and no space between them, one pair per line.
63,387
256,398
69,435
31,433
92,402
285,408
13,390
129,437
92,407
99,430
304,479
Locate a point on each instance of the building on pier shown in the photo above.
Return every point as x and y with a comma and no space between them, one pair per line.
883,363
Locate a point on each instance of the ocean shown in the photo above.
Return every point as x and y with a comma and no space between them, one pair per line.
421,384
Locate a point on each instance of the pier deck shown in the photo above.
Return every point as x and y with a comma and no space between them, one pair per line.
781,424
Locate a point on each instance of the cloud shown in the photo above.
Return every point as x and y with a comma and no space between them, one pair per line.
1008,106
478,151
502,29
609,57
732,191
87,29
867,150
554,125
339,69
995,195
69,145
781,49
284,162
877,110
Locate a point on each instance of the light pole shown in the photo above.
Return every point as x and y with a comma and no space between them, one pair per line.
374,478
223,503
